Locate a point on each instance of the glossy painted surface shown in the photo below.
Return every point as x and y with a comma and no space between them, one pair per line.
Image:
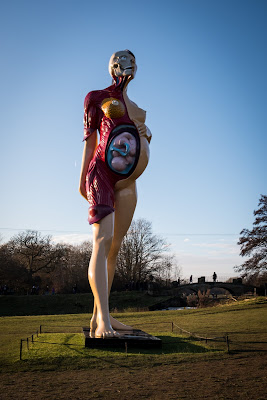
109,171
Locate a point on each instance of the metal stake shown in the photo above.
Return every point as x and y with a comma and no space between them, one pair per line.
227,343
20,352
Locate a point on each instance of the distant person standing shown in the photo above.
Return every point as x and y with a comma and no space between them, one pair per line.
214,277
191,279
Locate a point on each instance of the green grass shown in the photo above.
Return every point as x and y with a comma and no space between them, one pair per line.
61,346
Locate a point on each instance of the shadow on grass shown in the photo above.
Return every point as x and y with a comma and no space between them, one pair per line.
170,345
68,351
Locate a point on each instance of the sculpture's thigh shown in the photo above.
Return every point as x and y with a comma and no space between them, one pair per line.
125,203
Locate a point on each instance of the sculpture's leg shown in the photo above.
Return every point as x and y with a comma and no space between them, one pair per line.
125,203
97,273
93,322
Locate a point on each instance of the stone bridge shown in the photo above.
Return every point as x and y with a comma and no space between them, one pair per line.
235,289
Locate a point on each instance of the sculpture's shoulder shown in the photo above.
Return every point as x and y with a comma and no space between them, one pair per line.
95,97
92,98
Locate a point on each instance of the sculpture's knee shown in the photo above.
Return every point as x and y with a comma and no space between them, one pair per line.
103,242
115,248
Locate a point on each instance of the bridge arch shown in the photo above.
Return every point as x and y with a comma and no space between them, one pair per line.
221,287
233,289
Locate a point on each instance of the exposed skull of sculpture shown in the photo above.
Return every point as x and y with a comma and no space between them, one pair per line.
122,63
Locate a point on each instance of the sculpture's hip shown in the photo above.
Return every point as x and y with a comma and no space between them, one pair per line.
140,167
114,167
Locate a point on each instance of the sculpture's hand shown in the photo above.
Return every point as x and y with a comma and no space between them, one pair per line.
88,153
143,130
82,190
148,134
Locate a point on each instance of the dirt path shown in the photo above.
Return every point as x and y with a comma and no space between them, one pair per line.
233,377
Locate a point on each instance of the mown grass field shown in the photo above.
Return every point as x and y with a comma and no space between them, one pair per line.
57,365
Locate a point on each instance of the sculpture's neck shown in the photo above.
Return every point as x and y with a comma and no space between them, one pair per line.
122,82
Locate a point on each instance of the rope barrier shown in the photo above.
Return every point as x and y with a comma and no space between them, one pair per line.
40,330
29,338
225,338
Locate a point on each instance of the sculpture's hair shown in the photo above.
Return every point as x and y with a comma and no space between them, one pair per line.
110,67
128,51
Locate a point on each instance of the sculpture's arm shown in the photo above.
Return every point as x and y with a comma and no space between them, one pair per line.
143,130
88,152
148,134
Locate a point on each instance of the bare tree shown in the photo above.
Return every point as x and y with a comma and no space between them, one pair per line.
177,270
254,243
169,268
70,274
29,259
12,274
35,252
141,254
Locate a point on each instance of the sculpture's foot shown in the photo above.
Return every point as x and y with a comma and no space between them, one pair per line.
119,325
93,326
105,331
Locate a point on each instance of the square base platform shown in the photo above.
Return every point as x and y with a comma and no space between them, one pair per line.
134,339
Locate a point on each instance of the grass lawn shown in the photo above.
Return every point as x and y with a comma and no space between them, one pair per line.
57,365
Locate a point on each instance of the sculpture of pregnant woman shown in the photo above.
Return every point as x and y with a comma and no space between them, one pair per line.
109,171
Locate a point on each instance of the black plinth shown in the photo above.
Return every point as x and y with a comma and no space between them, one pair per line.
133,339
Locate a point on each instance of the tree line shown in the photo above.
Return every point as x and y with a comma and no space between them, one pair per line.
32,263
253,244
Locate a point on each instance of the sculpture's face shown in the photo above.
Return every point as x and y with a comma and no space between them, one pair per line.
122,64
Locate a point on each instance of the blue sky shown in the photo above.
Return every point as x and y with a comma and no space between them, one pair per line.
202,79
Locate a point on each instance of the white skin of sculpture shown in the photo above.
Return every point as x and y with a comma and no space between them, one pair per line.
109,232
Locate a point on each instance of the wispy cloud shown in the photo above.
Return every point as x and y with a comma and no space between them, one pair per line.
217,249
206,264
75,238
205,257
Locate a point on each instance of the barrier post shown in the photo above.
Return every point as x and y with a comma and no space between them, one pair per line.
126,349
227,343
20,352
27,343
172,327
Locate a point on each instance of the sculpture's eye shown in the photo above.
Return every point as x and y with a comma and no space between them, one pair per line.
123,58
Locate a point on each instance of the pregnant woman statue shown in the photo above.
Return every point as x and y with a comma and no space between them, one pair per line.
109,170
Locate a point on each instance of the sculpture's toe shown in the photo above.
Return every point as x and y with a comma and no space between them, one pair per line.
106,334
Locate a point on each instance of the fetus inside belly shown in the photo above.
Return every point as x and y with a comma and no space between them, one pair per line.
122,153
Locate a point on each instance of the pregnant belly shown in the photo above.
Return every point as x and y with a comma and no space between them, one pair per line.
140,167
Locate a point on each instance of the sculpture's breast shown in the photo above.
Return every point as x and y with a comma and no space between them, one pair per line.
113,108
135,113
